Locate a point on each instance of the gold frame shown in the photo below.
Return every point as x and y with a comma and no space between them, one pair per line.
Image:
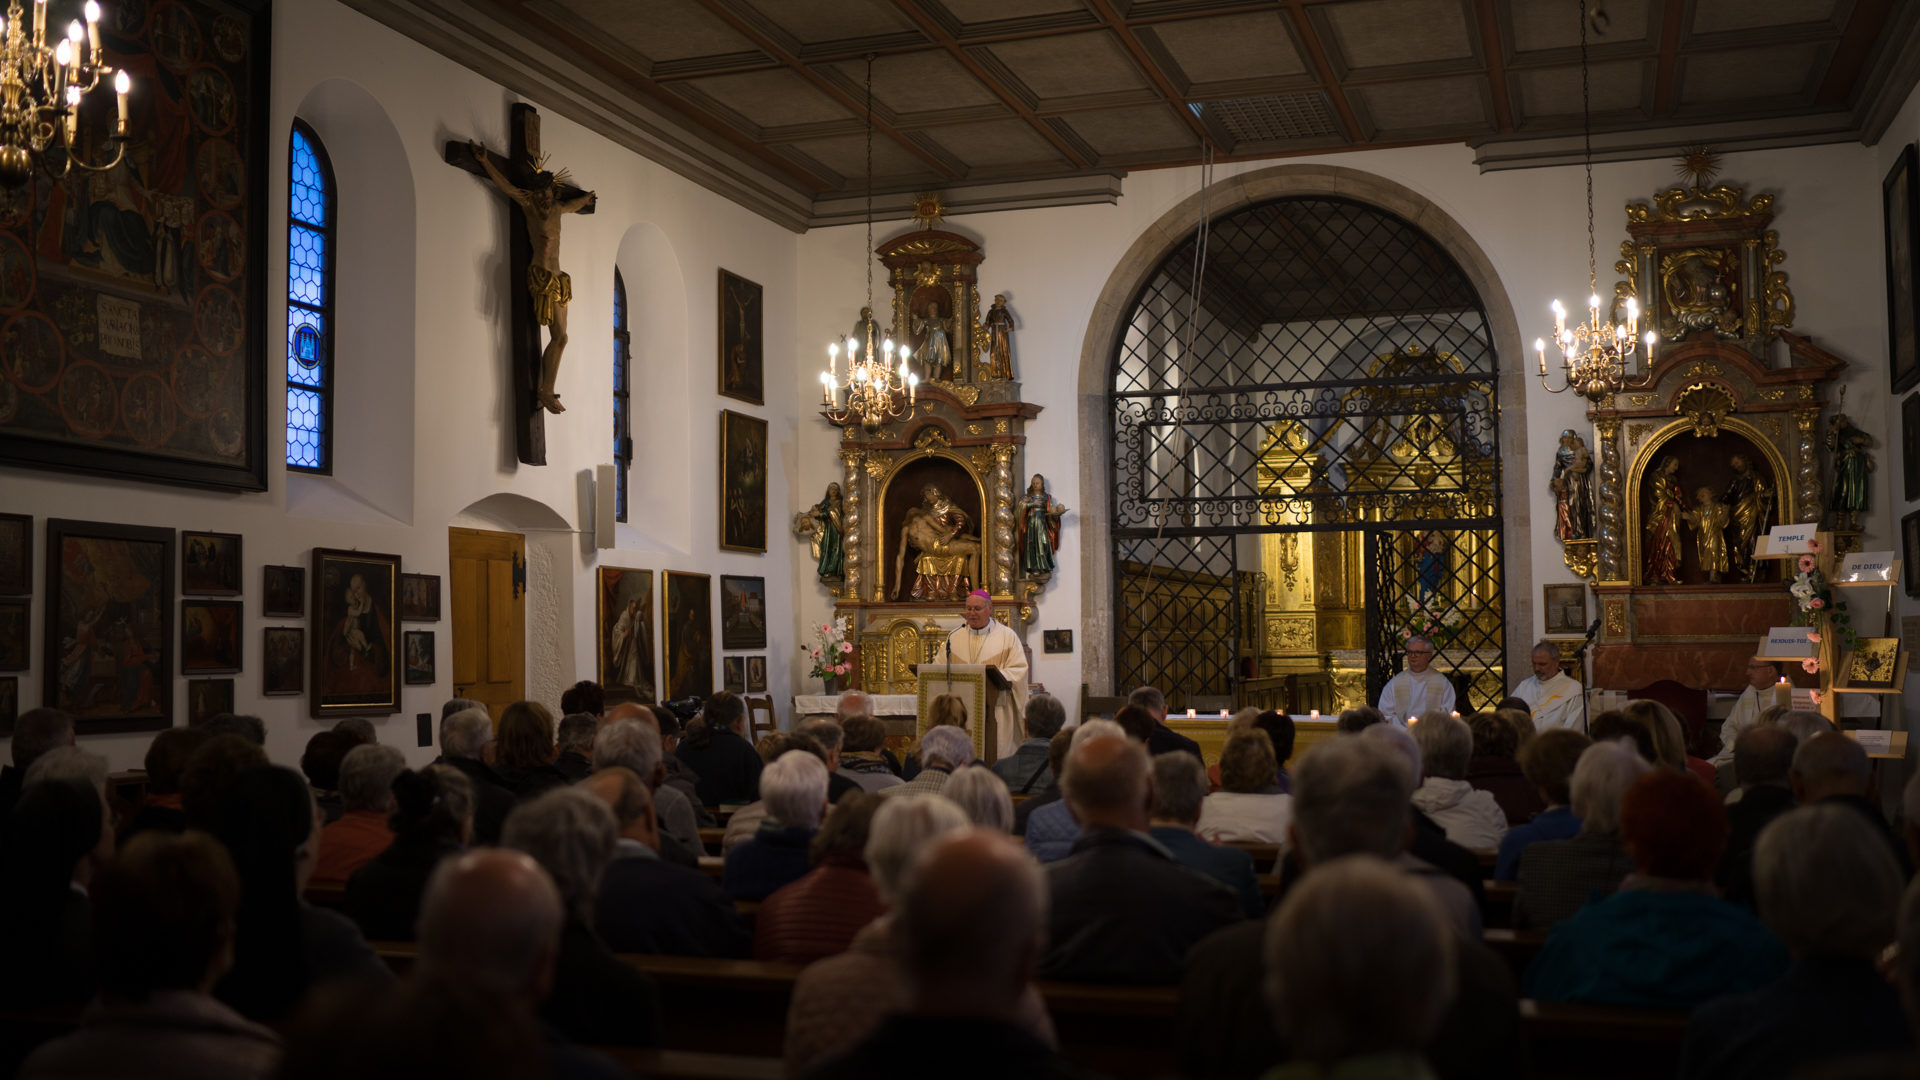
720,340
600,624
1681,425
987,507
666,630
727,418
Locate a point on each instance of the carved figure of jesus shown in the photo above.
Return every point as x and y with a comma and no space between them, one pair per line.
552,289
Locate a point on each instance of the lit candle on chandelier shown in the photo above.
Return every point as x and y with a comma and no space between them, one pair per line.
121,84
93,28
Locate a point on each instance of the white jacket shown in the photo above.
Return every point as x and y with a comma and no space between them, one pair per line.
1245,817
1471,817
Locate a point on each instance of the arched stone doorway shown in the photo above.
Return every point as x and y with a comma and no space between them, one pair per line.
1178,502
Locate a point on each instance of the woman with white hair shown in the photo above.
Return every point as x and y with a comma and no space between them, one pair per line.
839,1001
1559,877
794,789
984,796
943,749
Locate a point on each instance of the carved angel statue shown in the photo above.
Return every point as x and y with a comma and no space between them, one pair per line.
1851,464
821,524
1039,529
936,349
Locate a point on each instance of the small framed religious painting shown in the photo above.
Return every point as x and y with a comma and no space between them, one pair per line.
1872,663
109,623
210,637
1910,445
743,482
1056,641
1566,607
16,554
420,658
734,670
689,634
355,646
16,638
740,353
756,674
283,661
209,563
285,592
419,597
1900,209
208,698
743,612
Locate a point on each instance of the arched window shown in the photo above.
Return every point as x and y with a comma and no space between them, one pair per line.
310,232
622,427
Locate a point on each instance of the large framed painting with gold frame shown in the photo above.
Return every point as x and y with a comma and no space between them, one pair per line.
355,640
134,333
743,482
689,637
623,614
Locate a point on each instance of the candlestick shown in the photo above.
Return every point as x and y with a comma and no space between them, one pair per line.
40,21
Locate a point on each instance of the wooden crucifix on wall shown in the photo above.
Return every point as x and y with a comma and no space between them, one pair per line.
538,199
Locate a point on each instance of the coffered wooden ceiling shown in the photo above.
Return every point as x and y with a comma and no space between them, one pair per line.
977,96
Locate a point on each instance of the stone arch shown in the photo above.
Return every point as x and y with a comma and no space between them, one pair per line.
1109,319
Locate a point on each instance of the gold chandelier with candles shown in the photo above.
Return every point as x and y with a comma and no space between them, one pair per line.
876,391
41,88
1597,354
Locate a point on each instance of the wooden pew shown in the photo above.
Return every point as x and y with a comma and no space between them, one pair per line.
1265,856
1499,908
1516,947
711,839
333,897
1582,1041
694,1065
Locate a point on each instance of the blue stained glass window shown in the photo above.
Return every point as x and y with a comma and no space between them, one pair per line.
311,213
622,427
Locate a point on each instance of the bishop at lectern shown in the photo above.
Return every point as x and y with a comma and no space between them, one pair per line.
984,641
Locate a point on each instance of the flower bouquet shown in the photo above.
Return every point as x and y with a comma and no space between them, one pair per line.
1814,602
1434,624
833,655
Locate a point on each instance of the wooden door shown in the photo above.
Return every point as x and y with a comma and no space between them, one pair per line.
489,616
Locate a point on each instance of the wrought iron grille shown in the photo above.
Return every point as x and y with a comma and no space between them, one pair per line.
1338,374
1435,582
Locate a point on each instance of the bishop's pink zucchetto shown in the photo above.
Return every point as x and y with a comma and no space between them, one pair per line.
981,593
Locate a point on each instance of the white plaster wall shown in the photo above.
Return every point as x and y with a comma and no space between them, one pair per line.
447,340
1053,263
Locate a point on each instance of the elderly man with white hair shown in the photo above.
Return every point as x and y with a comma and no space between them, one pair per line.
1416,691
1051,829
1558,877
943,749
464,735
596,999
794,789
1830,891
1551,694
627,742
1833,770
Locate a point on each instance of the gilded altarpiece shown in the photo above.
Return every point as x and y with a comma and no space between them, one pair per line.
957,461
1715,439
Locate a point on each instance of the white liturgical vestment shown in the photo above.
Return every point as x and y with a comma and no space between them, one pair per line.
1555,703
1746,709
998,645
1409,695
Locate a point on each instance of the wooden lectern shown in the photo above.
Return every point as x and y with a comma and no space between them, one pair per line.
979,685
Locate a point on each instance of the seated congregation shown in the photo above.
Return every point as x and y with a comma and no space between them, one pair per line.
565,899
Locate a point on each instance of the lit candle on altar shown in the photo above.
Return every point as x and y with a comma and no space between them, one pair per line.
1189,714
1314,716
1456,715
1783,693
1223,714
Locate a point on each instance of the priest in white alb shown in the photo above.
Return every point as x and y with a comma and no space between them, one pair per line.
1551,693
985,640
1762,676
1416,691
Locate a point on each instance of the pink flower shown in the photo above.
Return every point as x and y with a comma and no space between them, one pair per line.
1813,546
841,669
1811,665
1813,637
846,646
1806,564
1816,603
1815,694
816,653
